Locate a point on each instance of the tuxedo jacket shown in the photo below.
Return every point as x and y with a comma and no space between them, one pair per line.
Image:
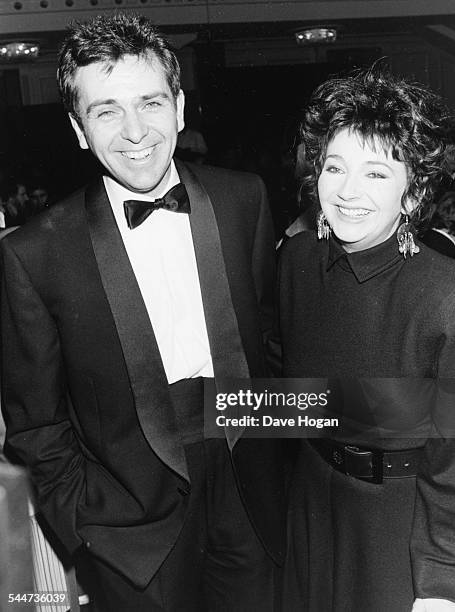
85,395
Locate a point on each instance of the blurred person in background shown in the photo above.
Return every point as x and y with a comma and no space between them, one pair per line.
441,234
17,206
39,196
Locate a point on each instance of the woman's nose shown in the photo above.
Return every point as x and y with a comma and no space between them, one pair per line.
349,188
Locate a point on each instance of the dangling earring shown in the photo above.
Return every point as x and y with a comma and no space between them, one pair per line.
324,228
405,237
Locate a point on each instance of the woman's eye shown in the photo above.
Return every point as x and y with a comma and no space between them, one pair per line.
376,175
333,169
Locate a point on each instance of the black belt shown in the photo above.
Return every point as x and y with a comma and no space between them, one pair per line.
369,464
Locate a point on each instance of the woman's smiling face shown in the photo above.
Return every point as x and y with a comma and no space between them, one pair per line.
360,190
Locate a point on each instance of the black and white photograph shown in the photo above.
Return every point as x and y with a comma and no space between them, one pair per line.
227,305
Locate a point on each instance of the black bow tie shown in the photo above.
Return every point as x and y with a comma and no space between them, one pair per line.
175,200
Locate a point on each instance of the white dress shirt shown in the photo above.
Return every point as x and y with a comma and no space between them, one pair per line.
162,256
433,605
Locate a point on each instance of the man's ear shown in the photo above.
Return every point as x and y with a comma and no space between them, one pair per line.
79,132
180,107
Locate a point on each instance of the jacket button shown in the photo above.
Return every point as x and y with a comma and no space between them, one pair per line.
183,492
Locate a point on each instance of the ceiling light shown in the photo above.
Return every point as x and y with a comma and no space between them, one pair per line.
308,36
15,51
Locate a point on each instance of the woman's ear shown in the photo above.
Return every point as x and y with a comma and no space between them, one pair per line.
408,206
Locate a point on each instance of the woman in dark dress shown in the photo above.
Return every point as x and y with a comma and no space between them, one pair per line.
363,303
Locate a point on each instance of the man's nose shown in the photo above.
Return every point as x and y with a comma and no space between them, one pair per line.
134,128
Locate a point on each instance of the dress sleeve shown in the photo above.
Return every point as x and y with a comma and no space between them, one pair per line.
433,537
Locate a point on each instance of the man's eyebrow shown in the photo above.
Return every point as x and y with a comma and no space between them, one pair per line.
97,103
155,94
109,101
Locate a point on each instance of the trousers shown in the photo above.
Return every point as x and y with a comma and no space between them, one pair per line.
217,564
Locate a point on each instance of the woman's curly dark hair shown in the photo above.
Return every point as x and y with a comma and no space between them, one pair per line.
405,118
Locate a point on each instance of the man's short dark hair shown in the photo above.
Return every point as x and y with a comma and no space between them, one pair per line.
403,117
10,187
107,39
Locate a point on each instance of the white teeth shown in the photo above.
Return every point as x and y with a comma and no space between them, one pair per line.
138,154
353,212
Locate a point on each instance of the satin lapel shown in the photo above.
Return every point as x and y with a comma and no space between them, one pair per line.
226,347
143,361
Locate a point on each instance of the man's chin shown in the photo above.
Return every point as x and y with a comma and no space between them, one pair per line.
144,183
138,186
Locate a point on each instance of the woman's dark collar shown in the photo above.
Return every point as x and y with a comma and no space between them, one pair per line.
368,263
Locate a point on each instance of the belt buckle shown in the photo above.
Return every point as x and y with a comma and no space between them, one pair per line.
364,464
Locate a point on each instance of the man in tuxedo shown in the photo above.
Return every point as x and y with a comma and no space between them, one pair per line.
116,304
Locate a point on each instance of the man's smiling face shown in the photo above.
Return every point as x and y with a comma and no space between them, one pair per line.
129,119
